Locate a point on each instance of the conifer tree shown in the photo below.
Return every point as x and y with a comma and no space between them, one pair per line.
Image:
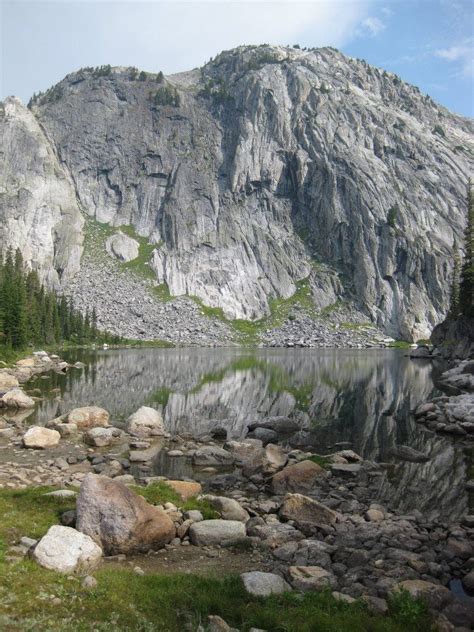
454,306
466,290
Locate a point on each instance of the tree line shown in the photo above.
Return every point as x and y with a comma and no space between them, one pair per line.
462,288
31,314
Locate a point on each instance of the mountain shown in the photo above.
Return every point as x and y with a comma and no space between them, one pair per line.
269,176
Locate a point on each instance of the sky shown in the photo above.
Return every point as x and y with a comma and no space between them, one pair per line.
426,42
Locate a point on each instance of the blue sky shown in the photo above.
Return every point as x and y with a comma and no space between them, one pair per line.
426,42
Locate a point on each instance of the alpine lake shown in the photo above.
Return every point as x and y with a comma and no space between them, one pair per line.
357,399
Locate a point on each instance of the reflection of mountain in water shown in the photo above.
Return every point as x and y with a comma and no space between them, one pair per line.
364,397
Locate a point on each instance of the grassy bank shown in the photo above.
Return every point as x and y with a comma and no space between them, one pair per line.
32,598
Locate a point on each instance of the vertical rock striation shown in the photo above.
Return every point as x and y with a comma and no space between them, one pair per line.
250,173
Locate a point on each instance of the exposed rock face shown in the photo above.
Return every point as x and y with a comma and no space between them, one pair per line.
39,211
274,161
119,520
455,338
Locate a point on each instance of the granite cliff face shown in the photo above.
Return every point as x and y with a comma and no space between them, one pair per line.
265,167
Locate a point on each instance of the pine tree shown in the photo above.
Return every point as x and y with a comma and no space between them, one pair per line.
454,306
466,290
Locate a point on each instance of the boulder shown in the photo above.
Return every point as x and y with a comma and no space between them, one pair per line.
407,453
262,584
435,595
214,532
186,489
16,398
228,508
88,417
99,437
122,247
145,422
306,512
274,458
41,438
306,578
246,452
280,424
118,519
300,477
7,381
468,581
65,550
212,455
459,548
265,435
346,470
374,515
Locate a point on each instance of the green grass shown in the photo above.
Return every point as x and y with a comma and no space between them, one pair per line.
124,601
248,331
96,233
162,292
322,461
160,493
10,356
400,344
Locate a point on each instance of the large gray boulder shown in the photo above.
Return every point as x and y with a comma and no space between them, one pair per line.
217,532
41,438
298,477
212,455
16,398
120,520
307,512
65,550
228,508
260,584
122,247
88,417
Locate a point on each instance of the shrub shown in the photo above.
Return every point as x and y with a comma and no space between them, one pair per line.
167,95
392,216
142,76
439,130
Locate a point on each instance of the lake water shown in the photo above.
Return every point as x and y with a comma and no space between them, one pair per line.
353,398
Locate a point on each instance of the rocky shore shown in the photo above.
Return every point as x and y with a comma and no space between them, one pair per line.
300,521
452,414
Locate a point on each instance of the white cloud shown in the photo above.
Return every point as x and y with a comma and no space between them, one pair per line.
462,54
373,25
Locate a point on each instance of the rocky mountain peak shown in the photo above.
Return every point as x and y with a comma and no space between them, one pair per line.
268,167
